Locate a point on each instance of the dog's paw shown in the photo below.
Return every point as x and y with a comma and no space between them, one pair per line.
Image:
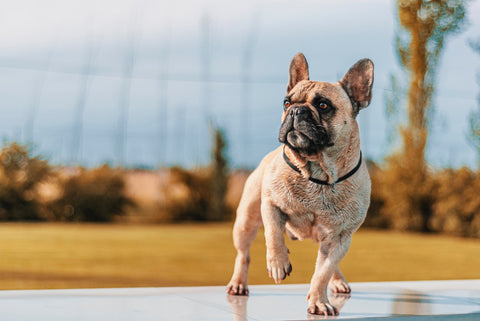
339,286
237,288
320,307
279,268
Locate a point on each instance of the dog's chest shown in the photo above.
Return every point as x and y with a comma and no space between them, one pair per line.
315,211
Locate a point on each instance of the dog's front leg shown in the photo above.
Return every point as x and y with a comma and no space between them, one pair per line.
274,220
331,252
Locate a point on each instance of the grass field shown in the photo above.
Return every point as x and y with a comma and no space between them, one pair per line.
34,256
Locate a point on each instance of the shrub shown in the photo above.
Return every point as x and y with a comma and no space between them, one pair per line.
375,216
20,178
405,190
187,195
457,203
198,195
446,201
95,195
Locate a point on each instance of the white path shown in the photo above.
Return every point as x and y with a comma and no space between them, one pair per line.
429,300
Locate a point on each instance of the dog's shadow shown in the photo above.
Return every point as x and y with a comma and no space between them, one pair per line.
239,305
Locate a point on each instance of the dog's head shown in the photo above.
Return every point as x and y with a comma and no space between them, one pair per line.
321,115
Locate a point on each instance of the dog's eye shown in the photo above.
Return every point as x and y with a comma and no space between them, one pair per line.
286,103
324,107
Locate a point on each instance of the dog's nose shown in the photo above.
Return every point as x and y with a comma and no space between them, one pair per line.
298,110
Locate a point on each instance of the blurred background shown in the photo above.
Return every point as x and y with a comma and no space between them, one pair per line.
136,83
147,113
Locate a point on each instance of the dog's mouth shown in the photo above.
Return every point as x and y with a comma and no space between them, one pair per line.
304,136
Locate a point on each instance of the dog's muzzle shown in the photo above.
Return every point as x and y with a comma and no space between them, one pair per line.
300,131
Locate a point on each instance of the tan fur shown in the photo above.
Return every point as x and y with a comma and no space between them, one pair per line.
283,199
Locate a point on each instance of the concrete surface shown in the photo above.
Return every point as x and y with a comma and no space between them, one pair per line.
428,300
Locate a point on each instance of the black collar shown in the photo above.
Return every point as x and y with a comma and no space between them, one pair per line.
317,181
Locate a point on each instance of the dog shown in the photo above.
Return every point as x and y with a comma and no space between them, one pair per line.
314,185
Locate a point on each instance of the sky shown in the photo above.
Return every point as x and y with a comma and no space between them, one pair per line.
141,83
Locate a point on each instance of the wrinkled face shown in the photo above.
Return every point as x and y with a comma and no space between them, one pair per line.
320,115
317,115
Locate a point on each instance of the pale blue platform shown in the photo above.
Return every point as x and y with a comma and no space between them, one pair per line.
429,300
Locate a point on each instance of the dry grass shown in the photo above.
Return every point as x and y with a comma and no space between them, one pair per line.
86,255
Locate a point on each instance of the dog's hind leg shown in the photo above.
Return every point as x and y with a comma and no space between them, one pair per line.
247,223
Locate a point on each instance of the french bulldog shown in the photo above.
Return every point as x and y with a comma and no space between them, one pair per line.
314,185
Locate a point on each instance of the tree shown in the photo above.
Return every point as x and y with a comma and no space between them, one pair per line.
393,98
474,118
474,131
21,176
424,26
219,176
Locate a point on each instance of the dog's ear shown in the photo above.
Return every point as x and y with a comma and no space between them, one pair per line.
298,71
358,82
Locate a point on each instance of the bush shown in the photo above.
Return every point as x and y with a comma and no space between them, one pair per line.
406,190
20,178
198,195
457,203
95,195
375,217
446,201
187,195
